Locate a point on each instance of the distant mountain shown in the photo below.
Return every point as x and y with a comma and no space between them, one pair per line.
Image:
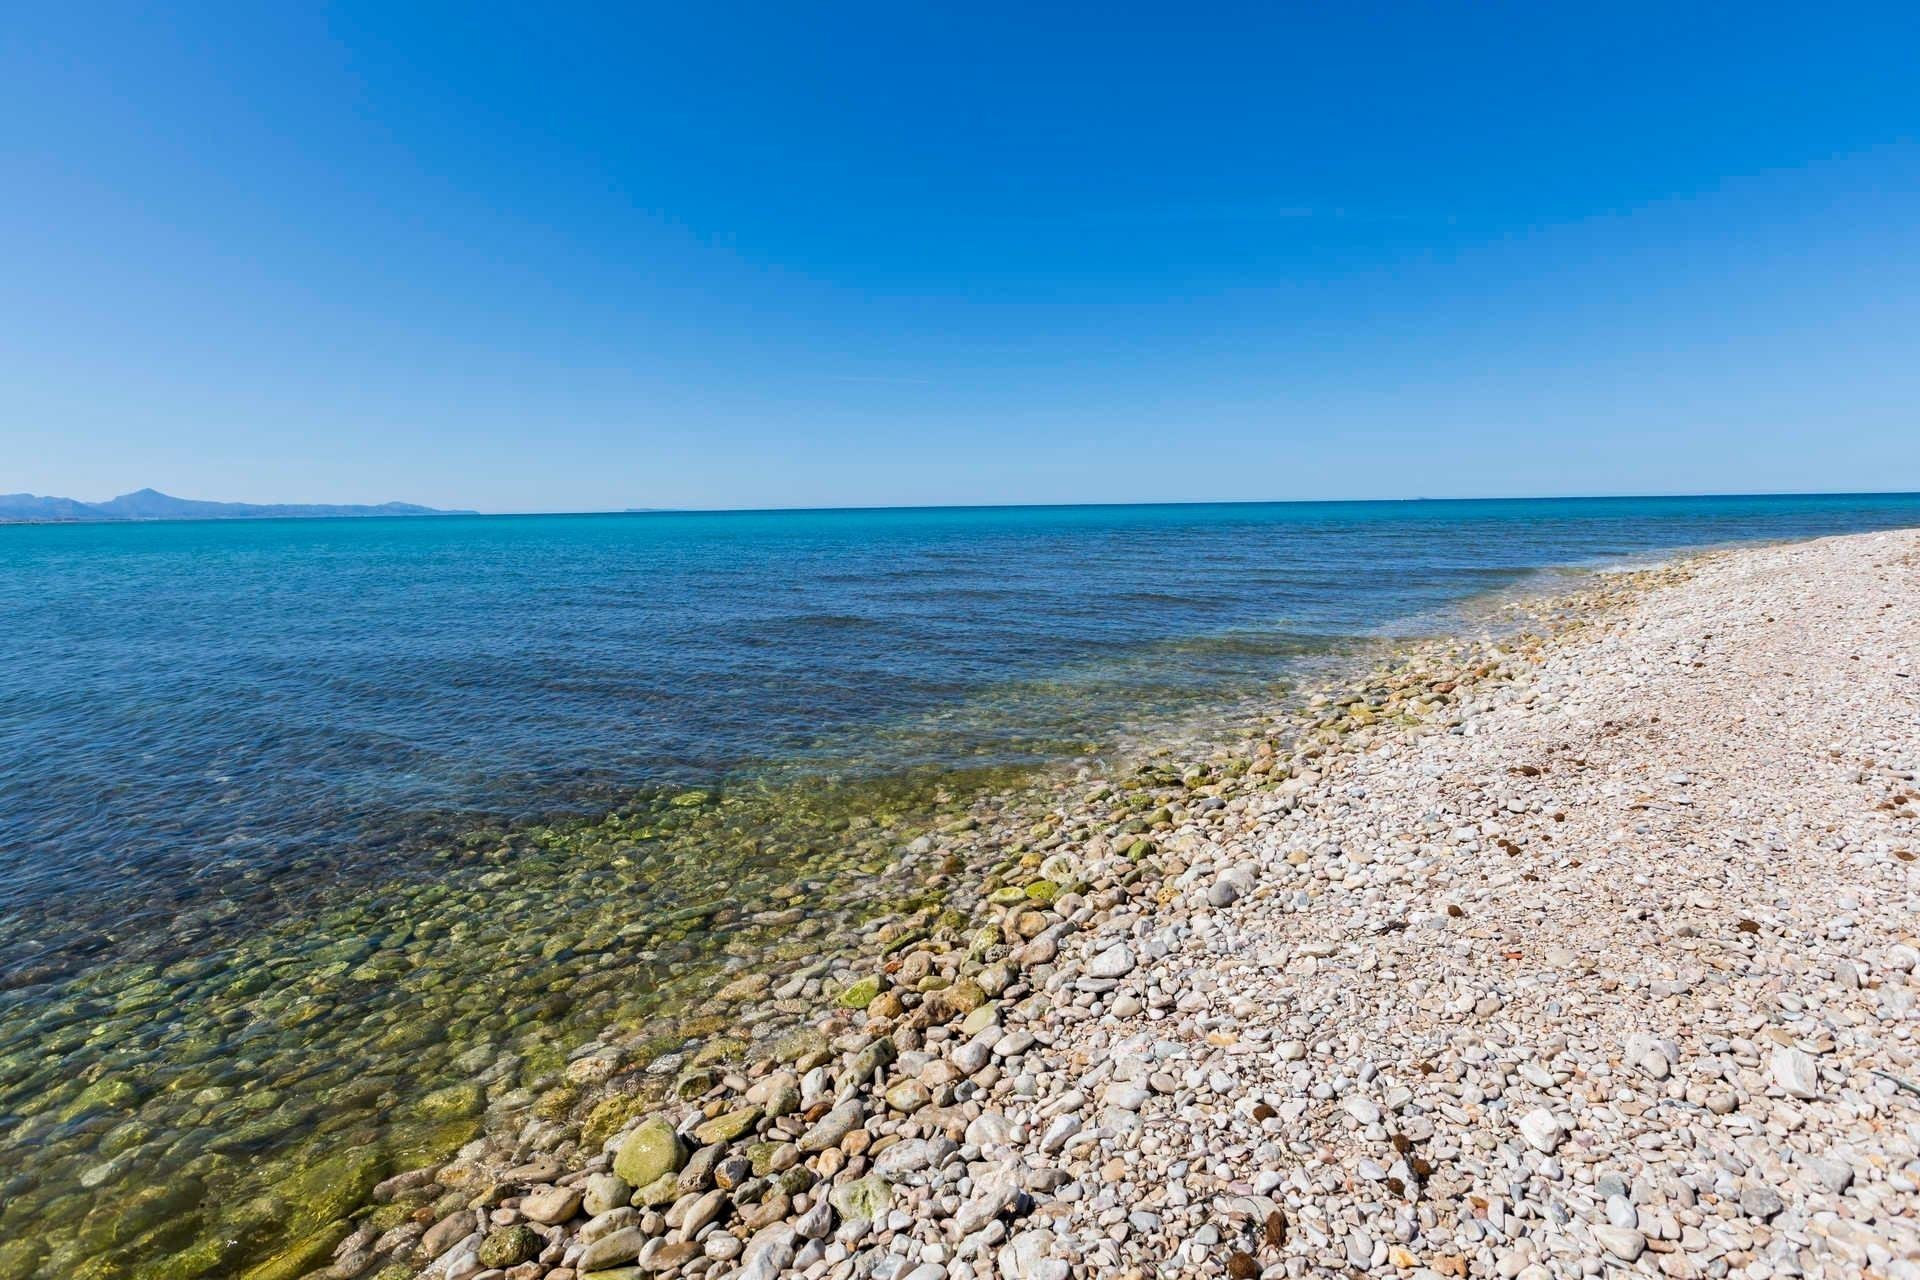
150,504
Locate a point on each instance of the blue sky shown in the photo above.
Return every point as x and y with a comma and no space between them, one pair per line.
583,257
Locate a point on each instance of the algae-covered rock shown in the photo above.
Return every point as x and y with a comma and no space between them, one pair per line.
109,1093
863,1199
509,1246
862,1066
663,1190
454,1102
649,1153
120,1219
333,1187
979,1020
605,1191
861,993
964,996
20,1259
310,1252
695,1082
609,1116
800,1043
727,1127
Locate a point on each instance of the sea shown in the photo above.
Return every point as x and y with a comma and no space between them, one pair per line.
281,800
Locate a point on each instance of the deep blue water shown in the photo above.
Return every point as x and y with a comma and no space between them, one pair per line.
181,703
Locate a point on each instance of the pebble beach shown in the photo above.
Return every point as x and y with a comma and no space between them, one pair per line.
1590,950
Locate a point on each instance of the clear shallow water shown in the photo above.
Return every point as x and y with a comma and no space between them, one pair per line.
275,917
258,708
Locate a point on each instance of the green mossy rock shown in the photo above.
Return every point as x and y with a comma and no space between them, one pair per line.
861,993
663,1190
509,1246
333,1187
649,1153
454,1102
727,1127
20,1259
608,1117
799,1043
109,1093
310,1253
863,1199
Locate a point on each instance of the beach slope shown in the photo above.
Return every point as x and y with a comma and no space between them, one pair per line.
1583,950
1616,967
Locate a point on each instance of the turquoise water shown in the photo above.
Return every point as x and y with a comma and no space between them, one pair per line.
253,709
281,912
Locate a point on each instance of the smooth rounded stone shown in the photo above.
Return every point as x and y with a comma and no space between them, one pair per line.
616,1248
774,1209
1232,885
909,1156
992,1128
758,1160
831,1128
551,1205
863,991
449,1231
986,1015
1117,961
1622,1242
1757,1200
1359,1247
972,1056
770,1252
816,1223
1795,1071
706,1209
1367,1112
666,1255
722,1246
908,1096
1125,1095
725,1128
607,1223
1126,1005
1621,1213
604,1191
649,1153
815,1086
1835,1174
539,1169
698,1173
866,1064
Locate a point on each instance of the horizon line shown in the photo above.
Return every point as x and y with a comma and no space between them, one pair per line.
464,514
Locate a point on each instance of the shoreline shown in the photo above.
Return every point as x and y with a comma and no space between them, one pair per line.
936,988
1001,1134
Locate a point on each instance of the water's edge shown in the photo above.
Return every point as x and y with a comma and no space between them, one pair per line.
278,1076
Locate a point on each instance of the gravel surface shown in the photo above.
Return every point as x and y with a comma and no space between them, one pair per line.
1589,952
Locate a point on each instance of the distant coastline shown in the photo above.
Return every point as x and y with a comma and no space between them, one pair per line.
151,504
